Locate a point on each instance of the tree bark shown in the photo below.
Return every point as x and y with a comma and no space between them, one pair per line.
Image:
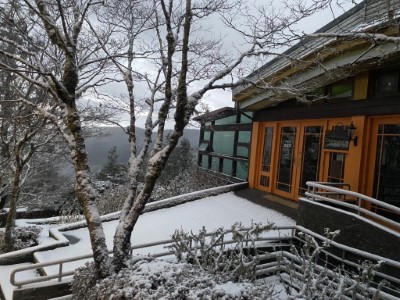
85,194
8,242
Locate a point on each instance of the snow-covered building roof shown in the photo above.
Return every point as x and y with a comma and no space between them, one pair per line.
351,43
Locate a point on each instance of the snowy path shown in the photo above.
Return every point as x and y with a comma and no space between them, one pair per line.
212,212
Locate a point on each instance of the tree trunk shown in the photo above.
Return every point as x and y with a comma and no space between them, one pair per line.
125,227
86,196
8,242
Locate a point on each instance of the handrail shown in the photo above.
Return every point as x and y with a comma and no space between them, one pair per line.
314,193
293,230
325,186
165,243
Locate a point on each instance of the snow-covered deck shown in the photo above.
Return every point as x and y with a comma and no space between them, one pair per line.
211,212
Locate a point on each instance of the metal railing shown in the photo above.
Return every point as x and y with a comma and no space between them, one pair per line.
266,268
327,192
165,243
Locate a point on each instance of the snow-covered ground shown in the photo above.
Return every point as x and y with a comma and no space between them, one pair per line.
212,212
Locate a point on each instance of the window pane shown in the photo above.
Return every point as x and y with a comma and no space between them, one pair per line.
223,142
244,136
386,83
227,120
244,119
204,161
206,136
269,131
227,167
311,156
203,146
342,90
215,164
336,167
286,156
241,170
242,151
391,129
387,168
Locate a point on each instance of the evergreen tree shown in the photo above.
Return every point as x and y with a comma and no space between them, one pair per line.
112,170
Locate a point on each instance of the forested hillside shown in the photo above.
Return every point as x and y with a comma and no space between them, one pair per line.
108,137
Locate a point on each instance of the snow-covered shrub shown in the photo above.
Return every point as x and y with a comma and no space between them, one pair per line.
236,261
112,199
187,181
23,237
307,273
149,278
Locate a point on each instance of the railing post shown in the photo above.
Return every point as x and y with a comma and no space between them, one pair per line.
60,268
313,192
359,205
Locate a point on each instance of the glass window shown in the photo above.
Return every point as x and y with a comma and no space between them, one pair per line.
286,158
387,167
203,146
336,167
311,156
204,161
269,131
227,120
206,135
227,167
386,83
244,136
207,123
242,151
246,117
215,164
223,142
242,169
342,90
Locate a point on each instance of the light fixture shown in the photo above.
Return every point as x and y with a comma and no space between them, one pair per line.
351,129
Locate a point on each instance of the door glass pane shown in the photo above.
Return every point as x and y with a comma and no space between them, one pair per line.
387,166
336,167
286,157
266,164
312,141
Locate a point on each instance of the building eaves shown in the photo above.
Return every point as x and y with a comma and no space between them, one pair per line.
216,114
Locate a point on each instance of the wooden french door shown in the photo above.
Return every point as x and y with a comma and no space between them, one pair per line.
384,159
291,156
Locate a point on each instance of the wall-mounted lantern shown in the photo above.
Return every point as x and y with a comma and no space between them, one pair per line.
351,130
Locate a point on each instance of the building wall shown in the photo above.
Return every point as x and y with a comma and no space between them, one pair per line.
367,108
224,145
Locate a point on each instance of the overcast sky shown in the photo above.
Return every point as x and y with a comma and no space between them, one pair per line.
220,98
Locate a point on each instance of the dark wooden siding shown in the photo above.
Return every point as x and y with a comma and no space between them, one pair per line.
293,111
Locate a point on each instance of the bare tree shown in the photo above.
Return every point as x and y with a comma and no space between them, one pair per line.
21,144
67,63
75,47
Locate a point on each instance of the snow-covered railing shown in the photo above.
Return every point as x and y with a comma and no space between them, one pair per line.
166,243
291,233
326,192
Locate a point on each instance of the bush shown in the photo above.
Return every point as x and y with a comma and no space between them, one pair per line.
236,261
23,237
149,278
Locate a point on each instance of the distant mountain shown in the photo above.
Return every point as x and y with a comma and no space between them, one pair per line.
98,146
